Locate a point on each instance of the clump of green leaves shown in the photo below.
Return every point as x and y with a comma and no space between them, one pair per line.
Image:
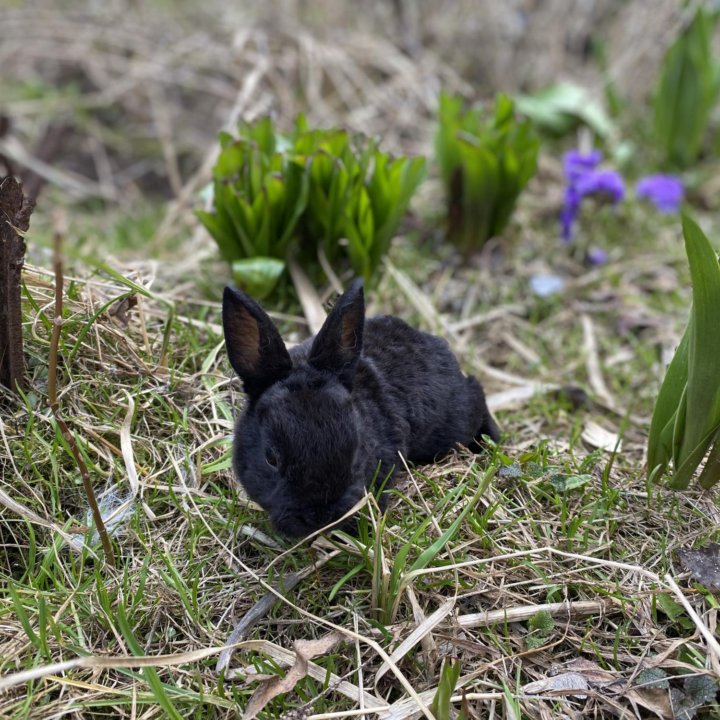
687,91
259,196
277,196
357,194
685,425
485,160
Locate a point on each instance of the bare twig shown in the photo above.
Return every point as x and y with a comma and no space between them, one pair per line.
15,212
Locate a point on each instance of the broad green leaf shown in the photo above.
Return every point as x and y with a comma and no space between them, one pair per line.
670,606
257,276
230,161
687,91
222,234
447,151
364,218
261,211
480,188
359,228
686,418
703,393
340,195
390,196
225,139
504,109
689,463
441,706
711,472
240,214
678,433
295,204
558,109
358,255
666,406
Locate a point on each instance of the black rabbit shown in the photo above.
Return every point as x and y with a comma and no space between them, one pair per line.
325,418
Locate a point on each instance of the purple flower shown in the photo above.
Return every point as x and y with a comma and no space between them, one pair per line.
576,164
596,256
607,183
584,179
569,212
664,191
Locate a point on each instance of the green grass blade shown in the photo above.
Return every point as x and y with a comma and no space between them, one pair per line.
150,674
426,557
22,615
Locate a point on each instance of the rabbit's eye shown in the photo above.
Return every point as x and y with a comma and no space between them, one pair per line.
271,458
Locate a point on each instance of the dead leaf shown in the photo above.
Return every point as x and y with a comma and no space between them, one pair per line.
703,564
593,364
517,395
304,651
593,673
598,437
566,682
654,699
120,309
651,691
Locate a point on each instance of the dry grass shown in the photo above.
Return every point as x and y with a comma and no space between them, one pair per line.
565,563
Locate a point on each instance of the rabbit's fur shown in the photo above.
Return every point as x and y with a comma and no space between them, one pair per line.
325,418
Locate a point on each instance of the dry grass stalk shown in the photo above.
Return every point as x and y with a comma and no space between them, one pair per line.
570,610
60,225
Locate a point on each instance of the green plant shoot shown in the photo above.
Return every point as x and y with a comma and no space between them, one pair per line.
310,191
685,426
686,92
485,163
441,706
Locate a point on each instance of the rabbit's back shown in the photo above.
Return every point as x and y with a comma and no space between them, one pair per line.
414,377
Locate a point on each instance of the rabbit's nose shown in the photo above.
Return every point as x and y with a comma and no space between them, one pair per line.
291,525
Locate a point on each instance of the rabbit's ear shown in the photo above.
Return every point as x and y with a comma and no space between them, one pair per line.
254,346
338,345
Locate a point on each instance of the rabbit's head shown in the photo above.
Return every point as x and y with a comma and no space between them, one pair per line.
296,445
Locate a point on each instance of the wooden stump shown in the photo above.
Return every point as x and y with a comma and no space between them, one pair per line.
15,212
